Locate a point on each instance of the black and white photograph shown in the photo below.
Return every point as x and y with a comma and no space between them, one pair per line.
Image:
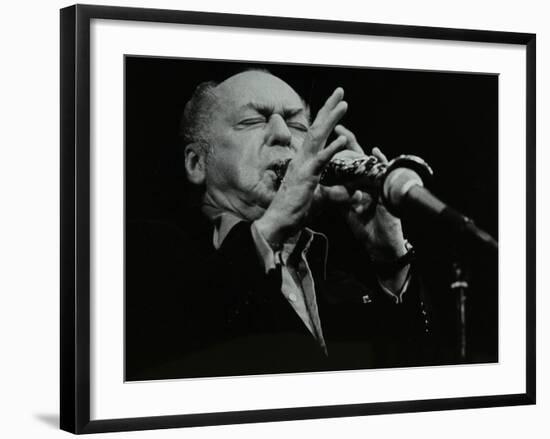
292,218
268,218
275,220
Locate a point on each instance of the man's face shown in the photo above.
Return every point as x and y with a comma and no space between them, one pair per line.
257,121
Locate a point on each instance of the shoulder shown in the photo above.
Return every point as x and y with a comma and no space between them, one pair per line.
168,235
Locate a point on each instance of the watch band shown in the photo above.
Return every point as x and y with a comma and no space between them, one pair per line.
391,266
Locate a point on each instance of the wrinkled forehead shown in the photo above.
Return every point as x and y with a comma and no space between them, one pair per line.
257,87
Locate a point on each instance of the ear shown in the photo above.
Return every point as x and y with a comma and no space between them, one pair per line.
195,163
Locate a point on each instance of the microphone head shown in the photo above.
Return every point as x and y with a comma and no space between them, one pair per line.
403,173
397,184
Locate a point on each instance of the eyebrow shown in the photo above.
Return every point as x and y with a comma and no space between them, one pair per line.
266,109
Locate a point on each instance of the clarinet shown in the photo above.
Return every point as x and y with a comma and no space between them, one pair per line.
365,171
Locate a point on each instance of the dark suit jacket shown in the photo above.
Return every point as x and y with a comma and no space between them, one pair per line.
192,311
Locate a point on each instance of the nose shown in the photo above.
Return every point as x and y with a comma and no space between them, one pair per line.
277,132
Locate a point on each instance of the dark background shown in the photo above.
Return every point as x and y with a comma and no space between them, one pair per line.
449,119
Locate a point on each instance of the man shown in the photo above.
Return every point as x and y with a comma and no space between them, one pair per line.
257,295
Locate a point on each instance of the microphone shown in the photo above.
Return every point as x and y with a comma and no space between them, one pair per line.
400,184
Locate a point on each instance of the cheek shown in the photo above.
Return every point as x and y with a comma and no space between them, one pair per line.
244,153
235,168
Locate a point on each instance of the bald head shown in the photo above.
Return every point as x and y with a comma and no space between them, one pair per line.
259,85
208,96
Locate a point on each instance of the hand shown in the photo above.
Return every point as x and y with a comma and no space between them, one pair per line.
291,206
371,223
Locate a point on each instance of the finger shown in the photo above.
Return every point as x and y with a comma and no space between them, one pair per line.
361,198
379,155
361,201
326,154
364,209
330,104
321,128
336,194
328,116
352,140
358,209
336,96
325,122
357,197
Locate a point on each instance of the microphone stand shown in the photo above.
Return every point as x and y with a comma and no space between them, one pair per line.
459,285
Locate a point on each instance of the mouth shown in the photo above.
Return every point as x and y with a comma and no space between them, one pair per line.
279,168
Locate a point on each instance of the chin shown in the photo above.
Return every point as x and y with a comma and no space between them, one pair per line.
258,199
263,199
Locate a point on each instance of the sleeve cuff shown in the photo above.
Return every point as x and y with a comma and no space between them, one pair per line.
267,255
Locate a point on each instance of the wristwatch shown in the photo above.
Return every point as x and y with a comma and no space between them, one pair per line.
391,266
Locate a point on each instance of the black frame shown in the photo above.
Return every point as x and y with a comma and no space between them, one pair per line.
75,217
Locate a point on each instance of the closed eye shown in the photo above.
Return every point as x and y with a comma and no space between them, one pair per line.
298,126
252,121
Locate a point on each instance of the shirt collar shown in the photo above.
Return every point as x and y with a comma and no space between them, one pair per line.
297,245
225,221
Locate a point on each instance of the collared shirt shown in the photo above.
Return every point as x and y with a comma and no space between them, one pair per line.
297,280
298,285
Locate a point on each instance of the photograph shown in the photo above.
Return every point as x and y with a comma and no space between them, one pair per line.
284,218
269,218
